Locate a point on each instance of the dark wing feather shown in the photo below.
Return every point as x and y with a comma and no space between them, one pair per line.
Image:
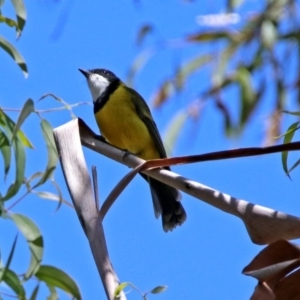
144,113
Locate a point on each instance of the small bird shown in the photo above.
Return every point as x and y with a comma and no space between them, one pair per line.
125,121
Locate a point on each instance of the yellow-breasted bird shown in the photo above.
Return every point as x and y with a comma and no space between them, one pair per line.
125,121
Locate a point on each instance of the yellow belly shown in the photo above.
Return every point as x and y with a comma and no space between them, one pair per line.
121,126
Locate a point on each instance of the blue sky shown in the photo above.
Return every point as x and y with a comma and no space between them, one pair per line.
204,258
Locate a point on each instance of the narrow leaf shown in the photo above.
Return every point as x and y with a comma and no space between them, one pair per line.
120,288
20,160
50,196
296,164
13,52
287,139
249,100
5,151
55,277
34,239
10,256
158,289
209,36
13,281
293,113
20,12
143,31
61,200
27,109
51,149
34,293
9,126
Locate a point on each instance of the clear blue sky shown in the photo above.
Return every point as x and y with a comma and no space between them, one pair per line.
204,258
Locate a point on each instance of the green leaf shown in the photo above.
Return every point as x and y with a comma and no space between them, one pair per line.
13,281
293,113
120,288
20,12
143,31
296,164
159,289
218,77
9,126
34,293
228,123
34,239
52,153
293,35
13,52
27,109
60,196
20,160
209,36
11,254
28,182
6,151
288,136
54,197
48,195
248,96
173,130
57,278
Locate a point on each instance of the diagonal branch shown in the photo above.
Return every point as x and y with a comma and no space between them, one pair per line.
263,224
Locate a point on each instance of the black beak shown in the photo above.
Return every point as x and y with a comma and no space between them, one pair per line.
85,73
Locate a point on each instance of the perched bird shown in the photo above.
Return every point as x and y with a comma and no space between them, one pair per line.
125,121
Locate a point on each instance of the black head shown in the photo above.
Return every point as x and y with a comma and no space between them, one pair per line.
100,81
102,72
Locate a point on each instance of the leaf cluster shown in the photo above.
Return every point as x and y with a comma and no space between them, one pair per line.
254,58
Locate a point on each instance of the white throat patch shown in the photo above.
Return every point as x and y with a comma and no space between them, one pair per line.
97,84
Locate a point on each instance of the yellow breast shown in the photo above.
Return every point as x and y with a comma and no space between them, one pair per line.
122,127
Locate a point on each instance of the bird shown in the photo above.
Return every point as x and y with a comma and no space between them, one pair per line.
125,121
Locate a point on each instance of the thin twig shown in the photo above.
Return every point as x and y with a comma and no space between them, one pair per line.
47,110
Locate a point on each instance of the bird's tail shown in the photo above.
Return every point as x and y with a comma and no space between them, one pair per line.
166,203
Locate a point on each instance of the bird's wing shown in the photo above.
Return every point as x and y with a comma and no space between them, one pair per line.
144,113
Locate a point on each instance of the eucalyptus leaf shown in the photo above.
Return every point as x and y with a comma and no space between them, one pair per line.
5,151
57,278
20,12
14,53
13,281
26,110
34,240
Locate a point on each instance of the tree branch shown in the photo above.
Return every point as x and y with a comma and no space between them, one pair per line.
74,168
264,225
